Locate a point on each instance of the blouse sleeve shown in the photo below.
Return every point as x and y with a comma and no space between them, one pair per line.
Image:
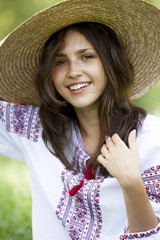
151,181
18,123
148,143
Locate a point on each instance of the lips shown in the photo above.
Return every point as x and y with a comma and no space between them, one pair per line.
78,86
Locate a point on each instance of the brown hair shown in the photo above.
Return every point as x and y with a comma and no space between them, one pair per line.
116,113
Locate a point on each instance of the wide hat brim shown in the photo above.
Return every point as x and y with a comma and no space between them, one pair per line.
136,23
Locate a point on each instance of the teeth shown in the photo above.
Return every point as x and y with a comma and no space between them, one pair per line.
78,86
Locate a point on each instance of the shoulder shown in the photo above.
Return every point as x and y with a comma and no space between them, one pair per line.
22,120
148,142
151,123
16,108
150,127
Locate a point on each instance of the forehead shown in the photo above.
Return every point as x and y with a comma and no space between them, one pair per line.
74,40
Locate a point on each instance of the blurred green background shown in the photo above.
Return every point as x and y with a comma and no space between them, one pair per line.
15,199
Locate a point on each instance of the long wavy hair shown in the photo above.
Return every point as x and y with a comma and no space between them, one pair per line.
117,114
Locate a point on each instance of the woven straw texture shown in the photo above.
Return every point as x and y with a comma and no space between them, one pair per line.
136,22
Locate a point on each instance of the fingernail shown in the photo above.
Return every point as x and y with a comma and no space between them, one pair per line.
133,133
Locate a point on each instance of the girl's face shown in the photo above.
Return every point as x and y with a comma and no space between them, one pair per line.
78,75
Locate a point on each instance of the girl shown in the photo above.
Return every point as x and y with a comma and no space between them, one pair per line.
93,156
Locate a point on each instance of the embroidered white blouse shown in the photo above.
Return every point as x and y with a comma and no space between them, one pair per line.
97,210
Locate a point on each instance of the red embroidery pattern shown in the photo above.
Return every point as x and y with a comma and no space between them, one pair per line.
21,120
80,214
140,235
88,175
151,180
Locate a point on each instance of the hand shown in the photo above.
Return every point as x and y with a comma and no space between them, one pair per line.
121,162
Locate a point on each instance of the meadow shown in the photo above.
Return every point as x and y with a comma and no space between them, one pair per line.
15,201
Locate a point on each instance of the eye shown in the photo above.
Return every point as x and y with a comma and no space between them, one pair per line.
61,62
87,57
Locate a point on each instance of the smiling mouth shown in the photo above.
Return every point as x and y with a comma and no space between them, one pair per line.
78,86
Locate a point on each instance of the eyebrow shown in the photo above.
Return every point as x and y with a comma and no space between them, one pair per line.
77,52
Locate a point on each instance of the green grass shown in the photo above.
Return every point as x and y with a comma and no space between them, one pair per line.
15,201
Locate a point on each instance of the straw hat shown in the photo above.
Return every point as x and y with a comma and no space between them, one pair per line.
136,22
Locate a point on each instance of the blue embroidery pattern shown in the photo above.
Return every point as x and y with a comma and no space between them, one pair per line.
151,181
80,214
140,235
1,111
20,119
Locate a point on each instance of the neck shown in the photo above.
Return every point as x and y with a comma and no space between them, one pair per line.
88,119
89,127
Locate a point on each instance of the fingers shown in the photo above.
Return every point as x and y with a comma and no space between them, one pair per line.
114,143
104,151
109,143
117,140
104,155
101,159
132,140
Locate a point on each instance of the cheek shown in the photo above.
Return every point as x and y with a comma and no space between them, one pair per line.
59,72
55,75
99,69
57,78
103,74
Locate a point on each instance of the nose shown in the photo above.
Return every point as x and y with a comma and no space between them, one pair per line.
74,70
